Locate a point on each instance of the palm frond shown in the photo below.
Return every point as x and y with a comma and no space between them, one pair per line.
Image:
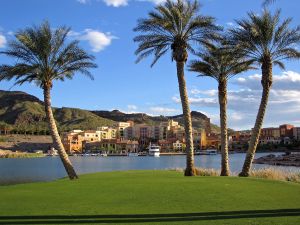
169,23
219,62
261,36
43,55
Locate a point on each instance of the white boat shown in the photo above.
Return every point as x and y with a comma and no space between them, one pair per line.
133,154
154,150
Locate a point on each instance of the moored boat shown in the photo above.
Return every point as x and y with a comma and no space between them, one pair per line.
207,152
133,154
154,150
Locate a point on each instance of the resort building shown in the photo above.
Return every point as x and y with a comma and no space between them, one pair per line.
270,132
132,137
106,133
166,145
286,130
73,142
296,133
213,141
91,136
121,128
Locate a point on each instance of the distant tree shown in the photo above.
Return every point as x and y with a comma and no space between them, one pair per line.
221,64
174,26
268,42
42,56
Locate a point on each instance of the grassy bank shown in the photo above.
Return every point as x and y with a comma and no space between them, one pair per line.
10,154
151,197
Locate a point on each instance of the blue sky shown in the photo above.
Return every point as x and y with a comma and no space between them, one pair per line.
105,29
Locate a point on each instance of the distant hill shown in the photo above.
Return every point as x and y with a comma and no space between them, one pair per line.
199,120
25,112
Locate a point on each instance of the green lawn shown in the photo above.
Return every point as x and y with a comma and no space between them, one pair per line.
151,197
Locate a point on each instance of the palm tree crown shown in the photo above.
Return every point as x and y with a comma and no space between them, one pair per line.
219,62
173,25
263,38
42,56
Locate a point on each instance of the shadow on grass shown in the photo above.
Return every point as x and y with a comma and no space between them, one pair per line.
147,218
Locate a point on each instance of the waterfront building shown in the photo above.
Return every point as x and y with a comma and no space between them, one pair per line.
213,141
296,133
165,145
121,129
91,136
286,130
72,142
106,133
178,146
270,133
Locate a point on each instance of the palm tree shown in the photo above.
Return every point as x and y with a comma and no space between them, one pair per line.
43,56
267,2
221,64
267,41
173,26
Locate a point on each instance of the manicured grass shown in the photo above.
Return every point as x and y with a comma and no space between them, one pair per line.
151,197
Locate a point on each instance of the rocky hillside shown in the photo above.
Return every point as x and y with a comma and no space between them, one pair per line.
24,112
199,120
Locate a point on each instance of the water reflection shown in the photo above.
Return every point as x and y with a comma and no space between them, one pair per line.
50,168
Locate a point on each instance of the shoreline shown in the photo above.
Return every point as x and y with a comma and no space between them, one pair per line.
292,159
8,154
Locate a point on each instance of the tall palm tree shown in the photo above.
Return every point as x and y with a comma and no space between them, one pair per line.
221,64
173,26
269,42
43,56
267,2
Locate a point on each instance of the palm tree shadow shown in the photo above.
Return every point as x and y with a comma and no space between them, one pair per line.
149,218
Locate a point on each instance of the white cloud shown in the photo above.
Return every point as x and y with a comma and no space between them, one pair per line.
116,3
156,2
83,1
287,80
2,41
119,3
205,92
230,24
283,105
162,110
96,39
132,107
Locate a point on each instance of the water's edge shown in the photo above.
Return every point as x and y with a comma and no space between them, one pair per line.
25,170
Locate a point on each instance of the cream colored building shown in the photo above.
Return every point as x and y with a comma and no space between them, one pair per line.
106,133
121,128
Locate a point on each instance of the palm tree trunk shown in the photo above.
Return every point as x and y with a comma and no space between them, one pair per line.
266,84
190,169
223,122
55,136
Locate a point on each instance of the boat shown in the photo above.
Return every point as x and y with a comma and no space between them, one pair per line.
154,150
207,152
103,154
133,154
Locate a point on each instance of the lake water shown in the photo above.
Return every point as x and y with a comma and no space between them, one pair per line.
51,168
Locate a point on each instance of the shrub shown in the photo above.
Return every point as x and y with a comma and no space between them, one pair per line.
207,172
276,174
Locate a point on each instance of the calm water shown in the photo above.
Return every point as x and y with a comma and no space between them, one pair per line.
50,168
